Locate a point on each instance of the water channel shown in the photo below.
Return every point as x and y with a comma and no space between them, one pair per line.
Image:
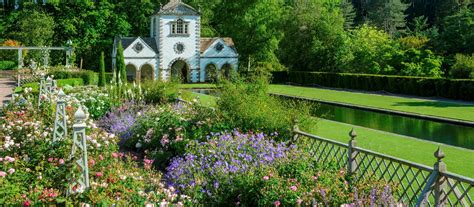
436,131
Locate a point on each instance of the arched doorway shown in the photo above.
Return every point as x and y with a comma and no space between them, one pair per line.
147,73
131,73
180,71
226,70
211,73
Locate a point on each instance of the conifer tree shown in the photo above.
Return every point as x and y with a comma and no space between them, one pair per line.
121,71
101,70
388,15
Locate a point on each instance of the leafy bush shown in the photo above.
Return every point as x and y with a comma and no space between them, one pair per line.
419,86
89,77
247,106
155,92
7,65
61,83
463,67
97,102
253,170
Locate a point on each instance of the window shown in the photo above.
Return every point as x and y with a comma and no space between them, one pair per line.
179,27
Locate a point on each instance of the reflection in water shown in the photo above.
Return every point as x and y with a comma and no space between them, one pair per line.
457,135
451,134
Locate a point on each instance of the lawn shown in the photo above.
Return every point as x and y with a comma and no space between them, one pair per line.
452,110
197,85
458,160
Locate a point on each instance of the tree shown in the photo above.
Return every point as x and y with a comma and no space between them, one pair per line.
457,33
34,28
348,12
121,70
387,15
102,70
314,39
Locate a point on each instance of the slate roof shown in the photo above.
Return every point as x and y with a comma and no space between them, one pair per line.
206,42
150,41
176,7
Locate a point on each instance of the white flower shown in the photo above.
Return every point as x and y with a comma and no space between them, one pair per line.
138,145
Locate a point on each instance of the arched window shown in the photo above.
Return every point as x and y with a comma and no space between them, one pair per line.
179,27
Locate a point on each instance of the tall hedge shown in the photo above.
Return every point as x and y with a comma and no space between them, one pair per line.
121,70
419,86
101,70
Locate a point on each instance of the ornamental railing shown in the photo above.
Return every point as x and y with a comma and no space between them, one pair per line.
418,185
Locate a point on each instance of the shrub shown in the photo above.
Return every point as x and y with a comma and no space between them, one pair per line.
463,67
7,65
97,102
89,77
155,92
247,106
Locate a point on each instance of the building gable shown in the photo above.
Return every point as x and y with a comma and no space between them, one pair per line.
139,47
218,47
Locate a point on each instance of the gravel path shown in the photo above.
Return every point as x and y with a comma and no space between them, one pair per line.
7,85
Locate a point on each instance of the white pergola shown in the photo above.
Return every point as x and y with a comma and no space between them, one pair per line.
67,49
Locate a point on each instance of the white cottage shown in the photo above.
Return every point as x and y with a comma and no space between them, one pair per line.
175,49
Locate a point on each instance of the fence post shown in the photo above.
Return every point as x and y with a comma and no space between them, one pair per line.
79,141
60,127
42,91
295,129
351,153
441,181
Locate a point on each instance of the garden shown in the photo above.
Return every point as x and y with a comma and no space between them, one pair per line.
143,147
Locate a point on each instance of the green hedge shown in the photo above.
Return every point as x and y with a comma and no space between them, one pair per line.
61,83
418,86
7,65
89,77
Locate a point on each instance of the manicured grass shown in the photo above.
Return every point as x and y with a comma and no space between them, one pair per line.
206,100
197,85
458,160
452,110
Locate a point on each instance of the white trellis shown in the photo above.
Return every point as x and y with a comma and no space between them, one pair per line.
60,127
46,89
79,152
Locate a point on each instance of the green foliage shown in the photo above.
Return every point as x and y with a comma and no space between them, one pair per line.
159,92
457,34
7,65
314,37
247,106
421,63
463,67
419,86
102,80
33,28
387,15
61,83
121,68
89,77
348,12
373,51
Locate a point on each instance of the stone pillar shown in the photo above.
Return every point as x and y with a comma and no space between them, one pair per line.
352,153
441,181
20,58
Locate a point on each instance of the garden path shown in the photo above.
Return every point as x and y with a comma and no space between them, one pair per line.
6,88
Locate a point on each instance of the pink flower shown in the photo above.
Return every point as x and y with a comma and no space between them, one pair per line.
91,162
147,161
101,157
293,188
61,161
341,172
1,159
266,177
50,159
115,155
27,203
99,174
3,174
11,171
315,178
299,201
276,203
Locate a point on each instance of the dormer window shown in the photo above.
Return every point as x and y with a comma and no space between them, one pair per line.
179,27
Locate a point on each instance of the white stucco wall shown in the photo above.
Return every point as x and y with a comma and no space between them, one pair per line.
191,43
219,58
139,59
